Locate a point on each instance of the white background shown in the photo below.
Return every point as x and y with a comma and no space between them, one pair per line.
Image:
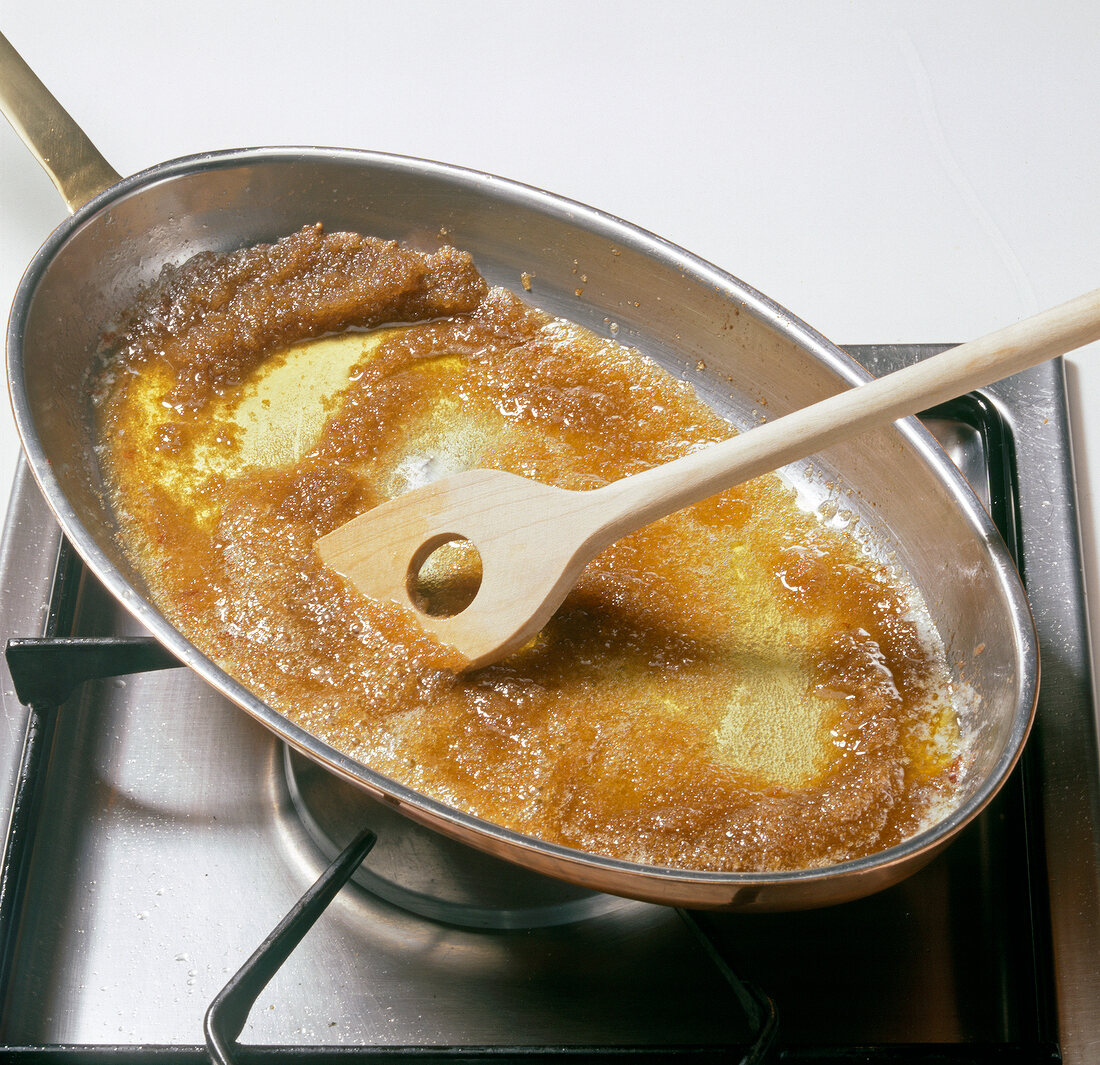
887,171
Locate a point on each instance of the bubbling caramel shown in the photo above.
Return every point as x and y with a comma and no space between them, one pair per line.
735,687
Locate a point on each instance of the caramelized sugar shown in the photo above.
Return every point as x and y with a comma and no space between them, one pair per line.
736,687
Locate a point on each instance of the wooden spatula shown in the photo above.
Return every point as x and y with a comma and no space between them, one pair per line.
534,540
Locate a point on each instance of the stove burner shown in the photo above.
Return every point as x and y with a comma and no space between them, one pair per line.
425,873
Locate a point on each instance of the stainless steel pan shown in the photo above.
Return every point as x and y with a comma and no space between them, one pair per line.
739,349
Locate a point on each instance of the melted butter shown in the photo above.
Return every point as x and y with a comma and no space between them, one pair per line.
733,687
281,409
772,729
271,420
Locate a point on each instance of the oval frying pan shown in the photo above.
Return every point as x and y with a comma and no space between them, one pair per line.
734,344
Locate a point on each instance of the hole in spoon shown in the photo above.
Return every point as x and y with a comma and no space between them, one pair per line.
444,576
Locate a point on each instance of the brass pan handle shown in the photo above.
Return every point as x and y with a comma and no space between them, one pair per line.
48,130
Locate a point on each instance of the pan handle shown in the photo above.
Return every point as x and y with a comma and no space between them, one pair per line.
47,129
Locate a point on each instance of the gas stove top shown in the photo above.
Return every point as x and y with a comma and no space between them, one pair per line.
158,835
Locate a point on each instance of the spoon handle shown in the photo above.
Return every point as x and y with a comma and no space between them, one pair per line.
637,500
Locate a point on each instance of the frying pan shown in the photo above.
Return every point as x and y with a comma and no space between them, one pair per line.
743,353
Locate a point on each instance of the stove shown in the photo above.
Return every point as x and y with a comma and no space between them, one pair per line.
176,885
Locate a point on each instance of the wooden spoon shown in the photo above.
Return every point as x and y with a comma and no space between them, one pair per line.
534,540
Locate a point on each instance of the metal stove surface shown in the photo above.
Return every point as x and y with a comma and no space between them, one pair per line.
165,844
